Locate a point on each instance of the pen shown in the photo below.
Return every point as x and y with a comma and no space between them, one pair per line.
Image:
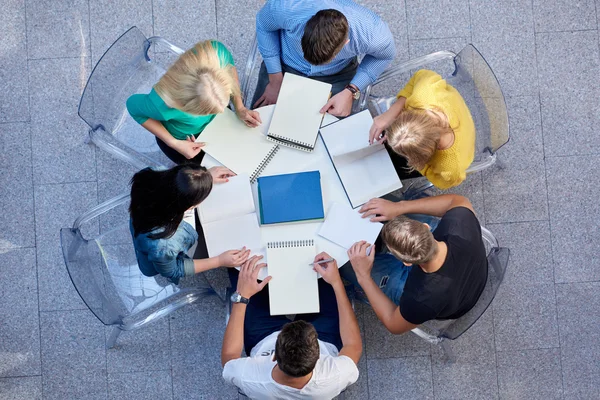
322,261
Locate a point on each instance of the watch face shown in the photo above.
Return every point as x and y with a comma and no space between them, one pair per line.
236,297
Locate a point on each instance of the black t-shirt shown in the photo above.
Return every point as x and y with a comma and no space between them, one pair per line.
452,290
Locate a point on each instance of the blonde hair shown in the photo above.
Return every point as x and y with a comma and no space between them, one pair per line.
197,83
415,135
408,240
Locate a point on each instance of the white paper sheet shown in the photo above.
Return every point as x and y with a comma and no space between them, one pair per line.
233,234
227,200
344,226
294,288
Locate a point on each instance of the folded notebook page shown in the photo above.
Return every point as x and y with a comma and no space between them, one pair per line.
345,226
366,171
242,149
296,119
294,288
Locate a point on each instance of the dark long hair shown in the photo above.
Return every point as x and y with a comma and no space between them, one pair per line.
160,198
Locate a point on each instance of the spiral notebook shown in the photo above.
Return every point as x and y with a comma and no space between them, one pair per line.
294,288
296,119
242,149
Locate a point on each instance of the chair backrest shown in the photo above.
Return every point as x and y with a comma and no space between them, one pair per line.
249,75
477,84
132,64
106,275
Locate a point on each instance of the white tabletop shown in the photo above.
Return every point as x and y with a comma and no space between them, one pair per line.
290,161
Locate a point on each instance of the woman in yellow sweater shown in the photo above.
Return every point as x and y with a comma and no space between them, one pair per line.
431,127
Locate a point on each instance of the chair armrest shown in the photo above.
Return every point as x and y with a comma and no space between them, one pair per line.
100,209
414,63
166,43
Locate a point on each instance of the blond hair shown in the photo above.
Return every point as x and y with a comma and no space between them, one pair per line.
408,240
197,83
415,135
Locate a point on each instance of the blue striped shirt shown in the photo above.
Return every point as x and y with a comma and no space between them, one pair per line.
280,27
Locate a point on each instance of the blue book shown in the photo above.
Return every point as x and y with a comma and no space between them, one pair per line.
290,198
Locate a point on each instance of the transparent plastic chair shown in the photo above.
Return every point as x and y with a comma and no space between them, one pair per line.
106,275
475,81
132,64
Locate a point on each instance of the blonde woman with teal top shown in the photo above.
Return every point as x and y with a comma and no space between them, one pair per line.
187,97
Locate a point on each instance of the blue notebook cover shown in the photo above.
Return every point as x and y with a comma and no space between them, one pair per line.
290,197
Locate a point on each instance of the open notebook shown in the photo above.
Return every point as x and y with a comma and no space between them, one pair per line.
242,149
345,226
294,288
296,118
229,218
366,171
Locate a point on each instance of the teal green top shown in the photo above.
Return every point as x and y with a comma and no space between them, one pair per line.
180,124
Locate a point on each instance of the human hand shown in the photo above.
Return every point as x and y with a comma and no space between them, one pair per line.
187,148
249,117
329,271
362,264
380,124
220,174
247,285
234,258
339,105
271,91
380,210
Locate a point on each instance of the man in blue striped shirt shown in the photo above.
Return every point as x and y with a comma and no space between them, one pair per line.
321,40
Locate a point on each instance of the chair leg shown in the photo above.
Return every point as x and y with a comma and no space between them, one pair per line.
448,352
114,334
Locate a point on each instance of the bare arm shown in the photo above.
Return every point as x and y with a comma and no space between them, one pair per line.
188,148
383,121
249,117
385,210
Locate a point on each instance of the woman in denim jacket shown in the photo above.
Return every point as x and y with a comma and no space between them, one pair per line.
160,236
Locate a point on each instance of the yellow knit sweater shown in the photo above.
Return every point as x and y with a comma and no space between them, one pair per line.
426,90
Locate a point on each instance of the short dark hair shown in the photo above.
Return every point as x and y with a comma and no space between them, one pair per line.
324,36
297,349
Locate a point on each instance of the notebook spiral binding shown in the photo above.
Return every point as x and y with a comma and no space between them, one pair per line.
292,143
263,164
290,243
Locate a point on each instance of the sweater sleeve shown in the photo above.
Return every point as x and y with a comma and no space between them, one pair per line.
444,179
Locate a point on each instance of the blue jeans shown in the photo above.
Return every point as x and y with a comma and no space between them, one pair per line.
389,273
259,323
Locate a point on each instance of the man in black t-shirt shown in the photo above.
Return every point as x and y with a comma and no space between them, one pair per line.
444,271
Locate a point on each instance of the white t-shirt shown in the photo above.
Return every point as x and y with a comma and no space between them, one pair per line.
252,375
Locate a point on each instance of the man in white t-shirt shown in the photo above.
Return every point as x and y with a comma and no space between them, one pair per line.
313,357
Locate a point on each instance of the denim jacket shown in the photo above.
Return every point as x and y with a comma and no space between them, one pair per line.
166,256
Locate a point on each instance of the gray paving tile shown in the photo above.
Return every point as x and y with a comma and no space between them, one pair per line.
567,57
197,333
26,387
236,27
572,202
530,251
72,340
471,188
16,203
109,20
57,206
379,343
530,374
574,15
569,122
360,389
75,384
190,22
14,89
437,19
144,349
411,378
515,187
581,373
203,381
66,22
59,152
473,375
20,327
578,307
503,33
145,385
525,317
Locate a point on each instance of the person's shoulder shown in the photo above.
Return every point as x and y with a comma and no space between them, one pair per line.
336,368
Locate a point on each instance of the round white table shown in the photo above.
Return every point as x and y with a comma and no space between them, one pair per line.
290,161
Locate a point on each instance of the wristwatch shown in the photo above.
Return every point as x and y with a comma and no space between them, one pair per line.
237,298
354,90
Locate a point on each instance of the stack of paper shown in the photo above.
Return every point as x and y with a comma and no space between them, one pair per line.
366,171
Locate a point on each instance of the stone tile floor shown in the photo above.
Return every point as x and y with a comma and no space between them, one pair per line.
539,340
